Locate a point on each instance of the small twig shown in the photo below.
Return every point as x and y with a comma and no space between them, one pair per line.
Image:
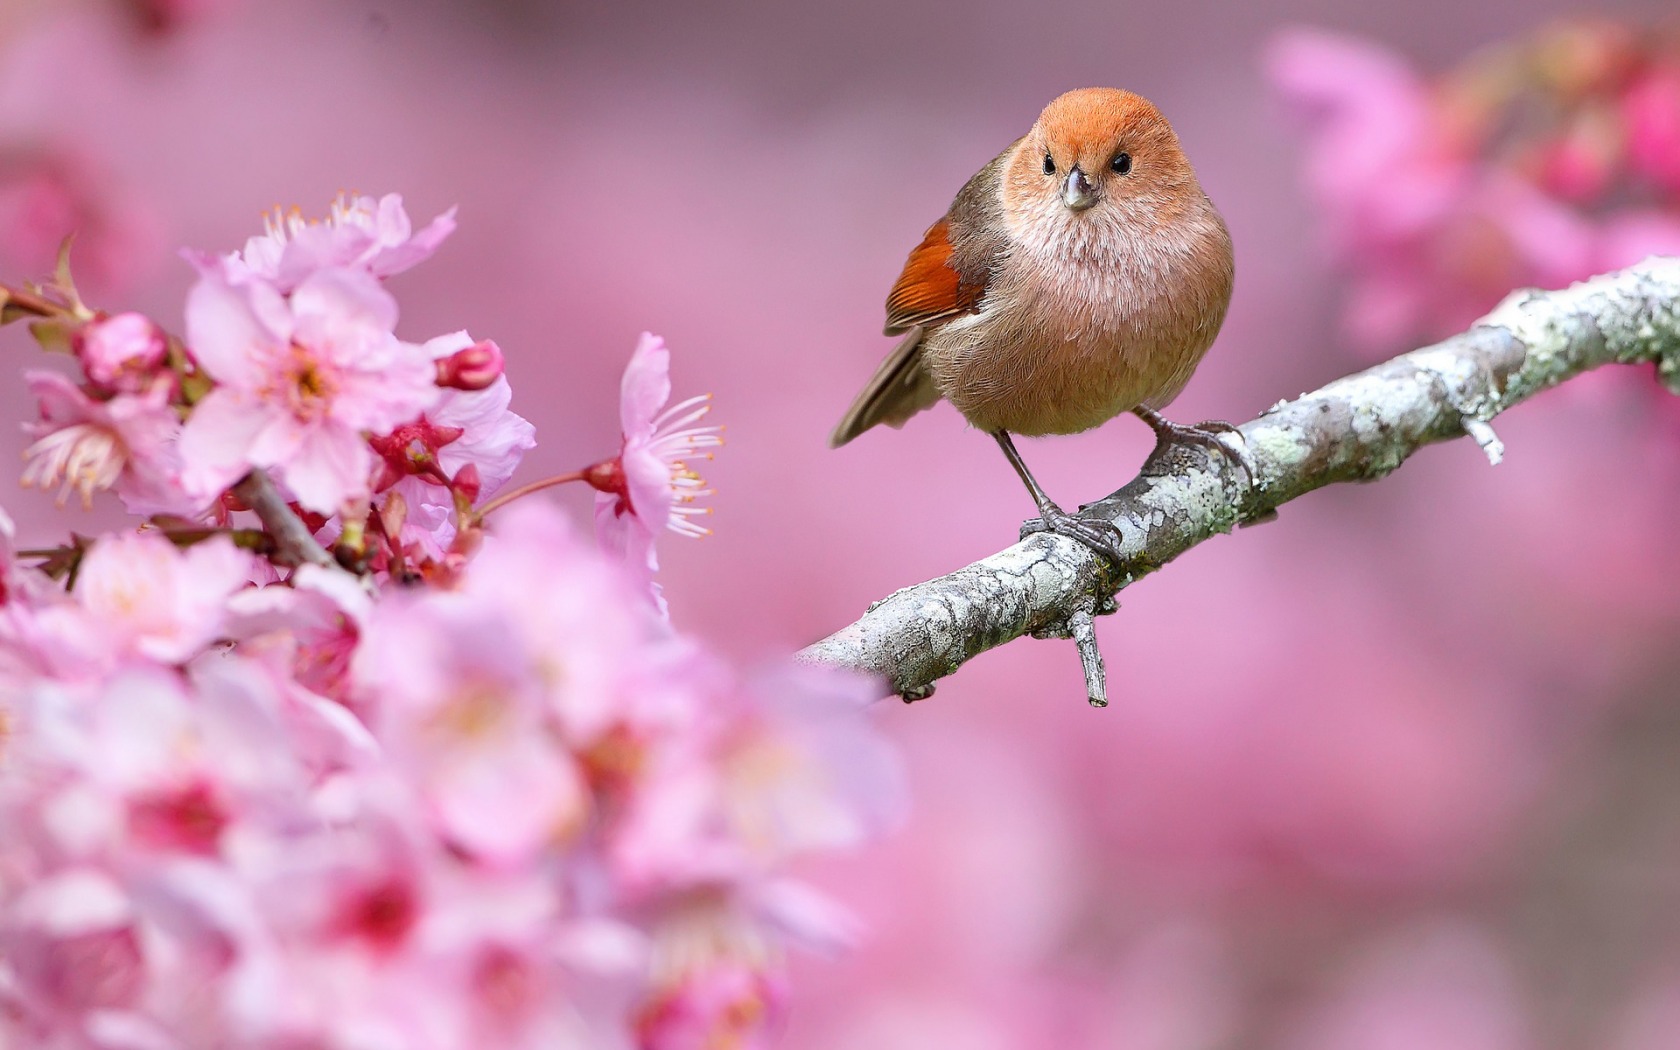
1090,657
525,490
293,543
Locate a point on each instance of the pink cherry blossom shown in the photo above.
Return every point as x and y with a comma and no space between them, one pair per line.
157,600
1434,215
473,367
717,982
121,352
126,443
651,486
301,382
502,804
74,947
457,706
359,233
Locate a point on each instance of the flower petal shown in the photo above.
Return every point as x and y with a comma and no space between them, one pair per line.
330,468
646,386
227,324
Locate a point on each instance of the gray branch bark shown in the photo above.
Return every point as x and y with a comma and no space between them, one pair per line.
1358,428
294,544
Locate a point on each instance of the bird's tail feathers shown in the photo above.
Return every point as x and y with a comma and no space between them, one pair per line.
898,390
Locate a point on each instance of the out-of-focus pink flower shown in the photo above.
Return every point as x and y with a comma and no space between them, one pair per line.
121,353
728,1004
72,945
126,443
314,625
589,642
157,600
460,712
716,982
301,381
50,194
1651,110
358,233
1377,161
1438,197
1442,987
651,486
810,774
1580,164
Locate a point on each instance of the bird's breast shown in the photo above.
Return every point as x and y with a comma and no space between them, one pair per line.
1072,332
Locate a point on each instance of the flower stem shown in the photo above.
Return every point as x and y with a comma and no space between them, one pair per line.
525,490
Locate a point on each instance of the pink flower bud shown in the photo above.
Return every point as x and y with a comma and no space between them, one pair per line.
467,482
121,352
473,368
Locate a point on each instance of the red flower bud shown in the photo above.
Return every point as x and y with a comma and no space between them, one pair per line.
608,476
473,368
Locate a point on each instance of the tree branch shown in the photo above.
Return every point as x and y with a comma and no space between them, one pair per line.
293,543
1356,429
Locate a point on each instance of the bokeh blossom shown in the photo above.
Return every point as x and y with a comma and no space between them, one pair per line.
1537,162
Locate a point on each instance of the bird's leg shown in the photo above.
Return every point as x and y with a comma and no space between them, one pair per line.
1102,538
1208,435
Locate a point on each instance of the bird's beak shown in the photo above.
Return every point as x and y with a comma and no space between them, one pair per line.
1077,192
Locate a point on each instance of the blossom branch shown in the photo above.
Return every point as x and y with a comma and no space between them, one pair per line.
293,543
1358,428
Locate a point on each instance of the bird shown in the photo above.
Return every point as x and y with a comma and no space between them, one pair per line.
1081,274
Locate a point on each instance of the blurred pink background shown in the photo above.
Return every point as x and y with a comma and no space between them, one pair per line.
1397,771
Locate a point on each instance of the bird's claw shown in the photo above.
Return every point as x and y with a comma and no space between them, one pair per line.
1102,537
1210,434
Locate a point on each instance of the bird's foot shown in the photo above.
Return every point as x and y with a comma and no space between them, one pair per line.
1212,434
1100,536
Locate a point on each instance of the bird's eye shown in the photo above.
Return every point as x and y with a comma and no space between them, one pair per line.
1049,164
1122,163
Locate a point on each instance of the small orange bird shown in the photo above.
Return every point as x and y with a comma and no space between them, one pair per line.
1081,274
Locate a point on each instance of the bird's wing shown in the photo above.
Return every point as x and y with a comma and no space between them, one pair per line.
947,274
945,277
931,289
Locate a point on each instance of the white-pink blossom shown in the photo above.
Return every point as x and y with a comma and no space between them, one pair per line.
302,381
652,485
126,443
156,600
374,235
460,710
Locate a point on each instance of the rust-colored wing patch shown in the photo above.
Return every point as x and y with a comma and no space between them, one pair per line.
930,289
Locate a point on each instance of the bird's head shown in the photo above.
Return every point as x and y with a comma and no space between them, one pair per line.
1101,157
